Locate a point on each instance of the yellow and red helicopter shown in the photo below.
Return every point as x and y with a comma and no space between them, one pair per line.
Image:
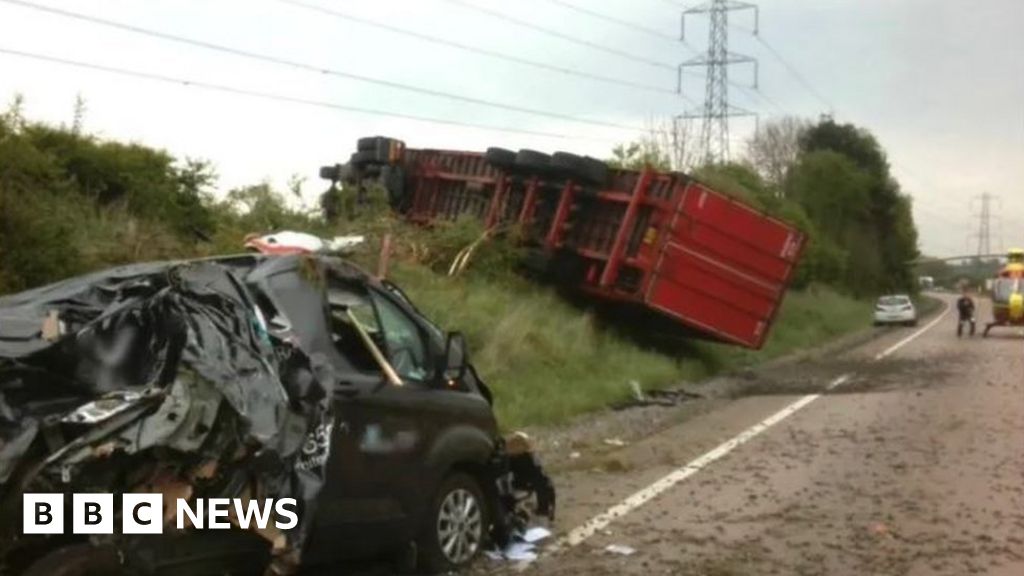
1008,293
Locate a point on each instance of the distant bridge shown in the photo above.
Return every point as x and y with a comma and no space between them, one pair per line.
987,258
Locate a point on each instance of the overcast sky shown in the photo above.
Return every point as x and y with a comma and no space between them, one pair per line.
939,82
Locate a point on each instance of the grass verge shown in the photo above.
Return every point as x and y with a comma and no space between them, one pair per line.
548,361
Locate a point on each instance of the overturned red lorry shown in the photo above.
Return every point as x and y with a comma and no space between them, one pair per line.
659,241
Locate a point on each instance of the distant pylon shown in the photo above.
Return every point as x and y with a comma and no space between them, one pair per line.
716,110
985,224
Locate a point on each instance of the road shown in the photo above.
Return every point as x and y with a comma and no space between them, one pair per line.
913,464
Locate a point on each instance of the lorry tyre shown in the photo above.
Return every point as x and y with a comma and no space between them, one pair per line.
593,171
364,157
533,161
374,143
500,157
379,149
456,526
568,165
367,143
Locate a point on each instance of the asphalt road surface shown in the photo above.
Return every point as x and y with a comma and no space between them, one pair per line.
912,463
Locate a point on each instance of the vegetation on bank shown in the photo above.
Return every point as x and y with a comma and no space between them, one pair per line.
547,360
832,180
71,202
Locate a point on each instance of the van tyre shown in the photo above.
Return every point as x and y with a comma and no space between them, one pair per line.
456,528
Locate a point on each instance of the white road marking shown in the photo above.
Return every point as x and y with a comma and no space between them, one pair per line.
913,336
640,498
581,533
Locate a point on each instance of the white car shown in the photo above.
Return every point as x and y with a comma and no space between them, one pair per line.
895,309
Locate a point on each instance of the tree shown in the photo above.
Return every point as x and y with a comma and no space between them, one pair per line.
833,192
640,154
295,183
844,183
14,116
855,143
668,145
78,117
738,180
775,148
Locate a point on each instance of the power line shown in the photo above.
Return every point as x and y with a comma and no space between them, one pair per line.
621,22
785,63
758,93
794,72
478,50
316,69
754,92
562,36
284,98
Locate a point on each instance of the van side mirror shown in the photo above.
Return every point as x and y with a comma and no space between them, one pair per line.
455,356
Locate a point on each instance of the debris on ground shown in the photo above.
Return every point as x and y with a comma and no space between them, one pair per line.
522,547
288,242
620,549
666,398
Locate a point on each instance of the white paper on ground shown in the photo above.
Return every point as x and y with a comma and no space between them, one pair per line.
536,534
620,549
516,552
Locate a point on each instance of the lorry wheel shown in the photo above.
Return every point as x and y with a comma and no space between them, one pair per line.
78,560
593,171
533,161
456,527
568,165
373,143
500,157
378,149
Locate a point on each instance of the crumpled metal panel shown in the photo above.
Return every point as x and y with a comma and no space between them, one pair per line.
166,366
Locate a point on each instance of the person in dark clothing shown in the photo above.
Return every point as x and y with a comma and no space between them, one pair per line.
965,308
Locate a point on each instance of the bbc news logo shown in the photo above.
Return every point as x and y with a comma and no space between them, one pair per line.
144,513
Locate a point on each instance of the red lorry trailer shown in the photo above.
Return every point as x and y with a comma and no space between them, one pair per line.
660,240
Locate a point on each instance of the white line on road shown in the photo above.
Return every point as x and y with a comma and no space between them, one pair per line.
912,337
638,499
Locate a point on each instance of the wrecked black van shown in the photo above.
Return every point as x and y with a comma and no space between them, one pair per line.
251,377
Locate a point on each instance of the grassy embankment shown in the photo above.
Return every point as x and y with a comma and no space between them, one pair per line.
547,360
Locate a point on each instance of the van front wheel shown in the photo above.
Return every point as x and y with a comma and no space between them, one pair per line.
455,530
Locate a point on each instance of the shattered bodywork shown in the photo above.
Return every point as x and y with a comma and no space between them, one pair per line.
194,380
157,378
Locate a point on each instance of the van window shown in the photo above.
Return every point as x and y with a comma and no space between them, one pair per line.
406,348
